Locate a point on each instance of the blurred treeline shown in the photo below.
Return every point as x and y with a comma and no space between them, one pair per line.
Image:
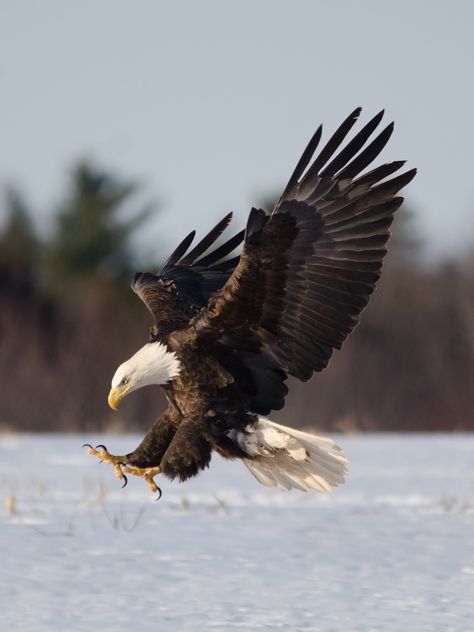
68,318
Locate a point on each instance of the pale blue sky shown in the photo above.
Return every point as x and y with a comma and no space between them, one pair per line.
210,103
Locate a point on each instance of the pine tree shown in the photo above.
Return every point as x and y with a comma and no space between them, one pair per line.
92,237
19,247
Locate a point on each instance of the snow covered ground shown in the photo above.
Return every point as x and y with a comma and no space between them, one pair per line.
393,549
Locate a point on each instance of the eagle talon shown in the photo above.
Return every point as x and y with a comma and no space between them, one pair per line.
147,473
117,462
122,467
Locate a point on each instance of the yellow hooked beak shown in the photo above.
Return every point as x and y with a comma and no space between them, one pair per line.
116,395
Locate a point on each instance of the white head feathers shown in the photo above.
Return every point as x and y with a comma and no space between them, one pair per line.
152,364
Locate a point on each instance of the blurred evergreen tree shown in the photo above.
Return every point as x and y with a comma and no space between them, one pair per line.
92,237
19,246
405,242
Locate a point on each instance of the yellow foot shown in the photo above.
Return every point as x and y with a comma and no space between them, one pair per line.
117,462
147,473
121,467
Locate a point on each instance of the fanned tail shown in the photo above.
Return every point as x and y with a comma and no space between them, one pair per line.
287,458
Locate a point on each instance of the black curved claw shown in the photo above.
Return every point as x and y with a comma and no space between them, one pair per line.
125,481
101,445
87,445
160,493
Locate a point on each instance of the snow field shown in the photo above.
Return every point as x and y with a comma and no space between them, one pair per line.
391,549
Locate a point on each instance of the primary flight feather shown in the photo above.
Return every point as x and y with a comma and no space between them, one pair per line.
227,333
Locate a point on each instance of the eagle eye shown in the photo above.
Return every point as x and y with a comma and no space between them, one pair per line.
125,380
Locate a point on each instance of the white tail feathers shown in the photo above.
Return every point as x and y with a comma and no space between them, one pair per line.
288,458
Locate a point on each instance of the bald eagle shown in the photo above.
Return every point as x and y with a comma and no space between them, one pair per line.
227,332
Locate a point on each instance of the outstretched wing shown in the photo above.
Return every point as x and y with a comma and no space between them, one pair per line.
307,271
187,280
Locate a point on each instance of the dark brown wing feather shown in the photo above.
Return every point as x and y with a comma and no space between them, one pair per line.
307,271
187,280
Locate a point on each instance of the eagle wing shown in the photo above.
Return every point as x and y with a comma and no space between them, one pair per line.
307,271
187,280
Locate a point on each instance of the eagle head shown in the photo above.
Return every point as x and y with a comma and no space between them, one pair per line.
152,364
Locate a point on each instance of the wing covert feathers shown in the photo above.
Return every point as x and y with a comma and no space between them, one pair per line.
307,271
187,280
